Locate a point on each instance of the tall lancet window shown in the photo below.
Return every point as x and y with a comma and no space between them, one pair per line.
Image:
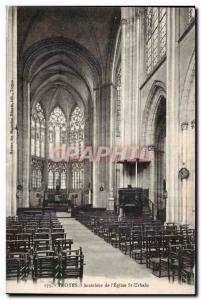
77,175
57,134
37,169
77,141
37,145
155,36
38,131
118,103
57,174
77,129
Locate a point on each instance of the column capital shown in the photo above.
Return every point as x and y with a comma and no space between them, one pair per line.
104,86
184,125
151,147
139,11
193,124
124,21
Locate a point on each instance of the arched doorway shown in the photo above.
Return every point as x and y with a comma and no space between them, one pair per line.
160,160
154,139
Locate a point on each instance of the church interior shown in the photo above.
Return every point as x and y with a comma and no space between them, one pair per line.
102,163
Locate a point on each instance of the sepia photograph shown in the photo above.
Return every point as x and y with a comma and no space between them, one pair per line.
101,150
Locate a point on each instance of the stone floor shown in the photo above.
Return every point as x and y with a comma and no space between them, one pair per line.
107,270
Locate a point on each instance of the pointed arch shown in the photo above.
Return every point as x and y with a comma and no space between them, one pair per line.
157,92
57,129
187,100
38,131
77,125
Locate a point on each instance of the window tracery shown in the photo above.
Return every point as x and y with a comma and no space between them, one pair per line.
37,169
155,36
57,174
77,175
38,131
57,133
77,141
77,129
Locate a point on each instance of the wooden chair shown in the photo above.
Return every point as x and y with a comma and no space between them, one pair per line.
57,235
173,261
114,235
72,264
57,229
46,264
17,246
10,236
41,244
139,250
124,239
159,261
43,229
61,244
135,240
17,266
187,262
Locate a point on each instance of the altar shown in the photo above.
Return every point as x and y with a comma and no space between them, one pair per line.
58,199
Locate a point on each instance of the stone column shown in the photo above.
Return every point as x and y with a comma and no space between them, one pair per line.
152,176
26,143
123,81
45,171
184,128
87,163
110,205
172,116
96,109
101,139
69,170
130,85
191,190
11,110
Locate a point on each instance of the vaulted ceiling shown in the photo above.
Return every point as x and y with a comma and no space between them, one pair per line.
65,52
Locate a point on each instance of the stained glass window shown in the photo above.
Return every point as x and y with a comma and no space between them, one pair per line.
38,131
37,144
77,175
77,141
57,133
77,129
63,180
155,36
50,180
57,174
118,104
37,167
57,141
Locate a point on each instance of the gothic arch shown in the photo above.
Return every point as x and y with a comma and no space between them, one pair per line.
116,55
153,134
157,92
57,44
186,104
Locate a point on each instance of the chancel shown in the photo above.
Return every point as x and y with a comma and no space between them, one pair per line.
104,106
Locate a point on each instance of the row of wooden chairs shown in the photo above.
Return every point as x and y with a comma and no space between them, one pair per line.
65,264
37,246
47,263
151,243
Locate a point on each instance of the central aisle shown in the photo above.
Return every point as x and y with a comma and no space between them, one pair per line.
108,264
